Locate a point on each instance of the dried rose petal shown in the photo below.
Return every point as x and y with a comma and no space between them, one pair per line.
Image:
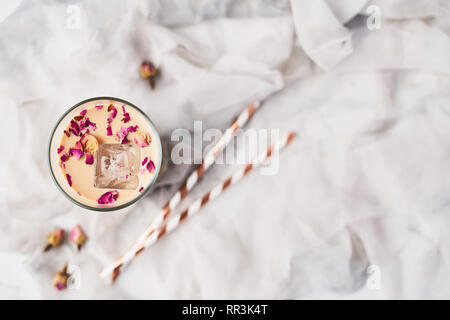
78,145
126,115
69,179
65,157
108,197
60,279
76,152
141,188
109,130
78,236
99,107
67,133
113,114
83,112
78,118
144,161
92,125
89,158
86,123
150,166
60,149
75,127
132,128
142,138
54,239
122,135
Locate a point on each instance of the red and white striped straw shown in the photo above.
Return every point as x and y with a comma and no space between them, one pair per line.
190,182
208,197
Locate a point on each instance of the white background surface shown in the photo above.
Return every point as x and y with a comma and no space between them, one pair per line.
366,183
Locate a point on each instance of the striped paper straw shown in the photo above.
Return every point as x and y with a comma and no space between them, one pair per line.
190,182
208,197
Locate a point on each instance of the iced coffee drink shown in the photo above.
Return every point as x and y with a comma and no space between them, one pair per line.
107,155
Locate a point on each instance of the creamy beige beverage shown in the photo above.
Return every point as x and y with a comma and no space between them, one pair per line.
108,153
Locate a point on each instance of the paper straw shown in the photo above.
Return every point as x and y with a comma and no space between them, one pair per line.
201,202
190,182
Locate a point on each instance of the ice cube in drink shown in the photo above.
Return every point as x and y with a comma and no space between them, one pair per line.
117,166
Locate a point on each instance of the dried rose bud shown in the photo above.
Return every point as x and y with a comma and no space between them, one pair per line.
147,70
90,143
60,279
54,239
142,138
78,236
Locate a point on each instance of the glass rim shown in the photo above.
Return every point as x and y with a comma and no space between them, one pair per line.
144,192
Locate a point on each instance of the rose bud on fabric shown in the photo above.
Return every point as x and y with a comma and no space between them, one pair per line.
54,239
78,236
147,70
60,279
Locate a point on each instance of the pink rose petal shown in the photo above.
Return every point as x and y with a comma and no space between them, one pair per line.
78,145
69,179
65,157
150,166
108,197
76,152
60,149
113,114
75,128
99,107
83,113
89,158
109,130
132,128
122,134
126,115
144,161
86,123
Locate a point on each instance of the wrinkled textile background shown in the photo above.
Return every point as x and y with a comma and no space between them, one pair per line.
367,182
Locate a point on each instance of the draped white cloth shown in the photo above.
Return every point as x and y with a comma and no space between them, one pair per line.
365,184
